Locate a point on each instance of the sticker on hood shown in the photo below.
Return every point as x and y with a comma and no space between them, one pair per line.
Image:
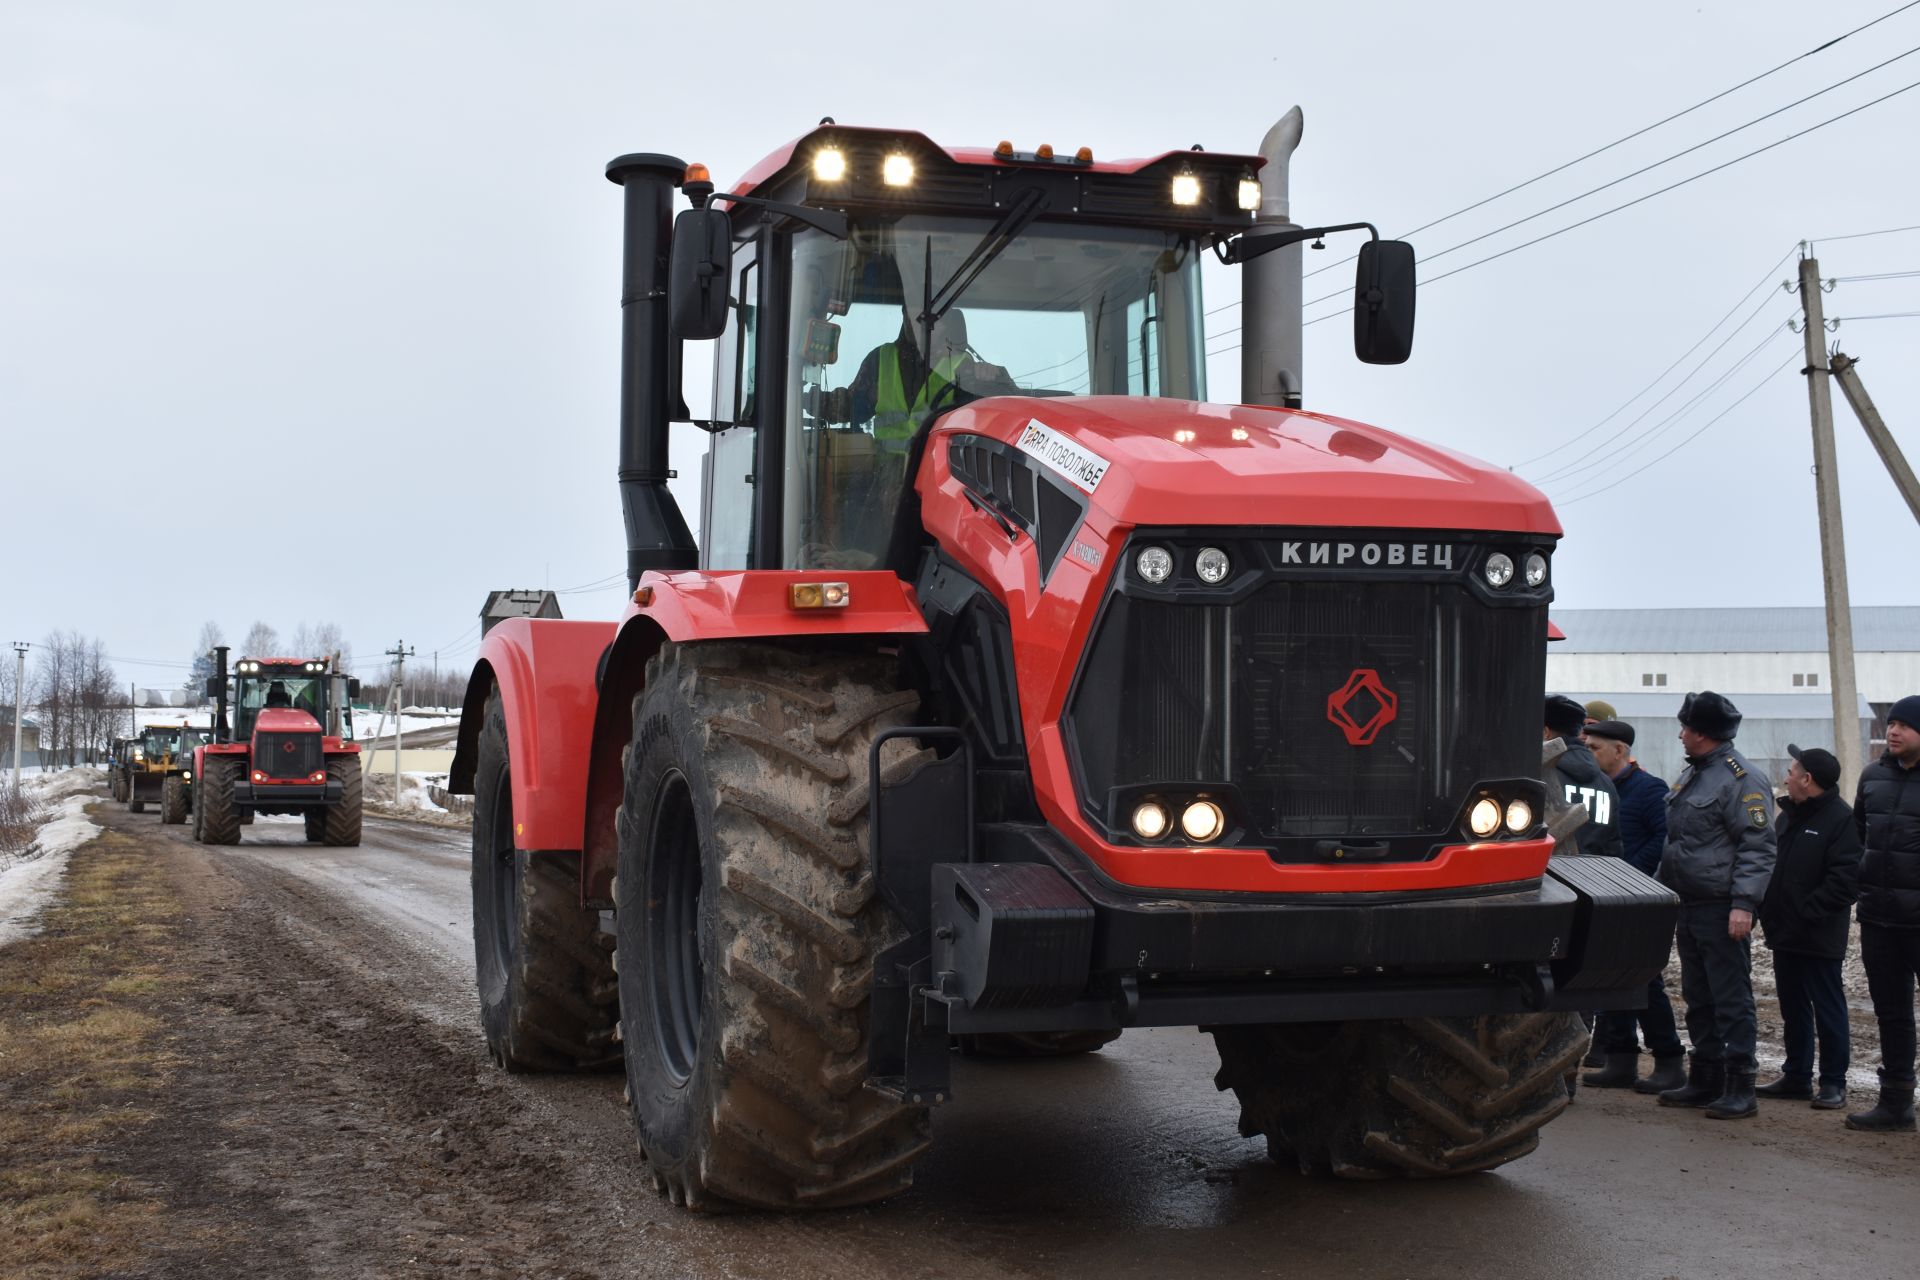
1083,468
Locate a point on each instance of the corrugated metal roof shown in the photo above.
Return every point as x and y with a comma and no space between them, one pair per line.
1664,704
1876,629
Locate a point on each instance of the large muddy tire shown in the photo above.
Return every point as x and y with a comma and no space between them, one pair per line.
748,925
1426,1098
215,819
136,806
1037,1044
547,997
341,825
117,784
316,824
173,801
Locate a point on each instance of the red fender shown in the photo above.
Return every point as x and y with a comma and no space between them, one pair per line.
545,669
724,605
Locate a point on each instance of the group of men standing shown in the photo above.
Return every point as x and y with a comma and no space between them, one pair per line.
1734,856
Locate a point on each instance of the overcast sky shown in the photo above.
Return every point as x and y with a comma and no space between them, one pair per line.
309,312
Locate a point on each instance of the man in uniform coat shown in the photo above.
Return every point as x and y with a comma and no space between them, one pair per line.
1804,920
1718,858
1886,809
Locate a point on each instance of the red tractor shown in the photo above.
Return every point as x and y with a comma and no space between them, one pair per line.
277,758
1017,695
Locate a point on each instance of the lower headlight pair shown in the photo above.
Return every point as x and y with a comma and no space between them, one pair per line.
1201,821
1485,817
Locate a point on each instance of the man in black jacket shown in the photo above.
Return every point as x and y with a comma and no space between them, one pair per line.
1643,832
1583,781
1886,811
1804,917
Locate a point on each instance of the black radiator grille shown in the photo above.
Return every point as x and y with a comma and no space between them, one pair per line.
287,755
1182,692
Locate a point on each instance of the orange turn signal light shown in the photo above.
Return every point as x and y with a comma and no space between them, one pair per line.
819,595
1045,151
1084,155
697,173
643,595
1004,150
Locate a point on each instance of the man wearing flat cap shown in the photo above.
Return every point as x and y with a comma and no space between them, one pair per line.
1804,920
1581,779
1718,858
1643,833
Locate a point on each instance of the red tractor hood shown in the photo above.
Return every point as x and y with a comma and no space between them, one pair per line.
285,720
1178,462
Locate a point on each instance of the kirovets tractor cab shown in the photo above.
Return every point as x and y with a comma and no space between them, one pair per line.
1019,695
275,756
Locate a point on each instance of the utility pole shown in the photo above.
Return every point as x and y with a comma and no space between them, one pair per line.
1883,442
1833,543
399,653
19,699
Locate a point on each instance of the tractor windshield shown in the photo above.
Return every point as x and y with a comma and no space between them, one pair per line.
156,743
1056,310
297,693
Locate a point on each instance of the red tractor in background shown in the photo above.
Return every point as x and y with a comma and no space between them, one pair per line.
277,757
1018,695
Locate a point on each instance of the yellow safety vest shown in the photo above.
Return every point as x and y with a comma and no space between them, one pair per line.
895,417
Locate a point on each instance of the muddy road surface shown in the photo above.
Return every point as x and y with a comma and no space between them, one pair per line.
334,1114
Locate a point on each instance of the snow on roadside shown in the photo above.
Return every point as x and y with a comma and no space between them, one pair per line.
28,880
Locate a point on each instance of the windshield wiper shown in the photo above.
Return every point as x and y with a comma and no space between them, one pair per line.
1030,204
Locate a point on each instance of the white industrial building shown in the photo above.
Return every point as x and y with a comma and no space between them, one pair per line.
1772,662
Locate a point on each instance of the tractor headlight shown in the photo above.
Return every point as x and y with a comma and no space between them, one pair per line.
1155,564
1212,565
1484,818
1203,821
1536,569
186,775
1186,189
897,170
1150,820
1519,816
829,164
1498,569
1249,194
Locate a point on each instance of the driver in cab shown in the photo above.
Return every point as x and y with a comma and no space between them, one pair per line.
896,390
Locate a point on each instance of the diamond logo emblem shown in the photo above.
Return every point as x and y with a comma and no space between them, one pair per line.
1362,707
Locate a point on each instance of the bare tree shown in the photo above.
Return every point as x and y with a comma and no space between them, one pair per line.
262,642
97,709
211,637
328,640
52,692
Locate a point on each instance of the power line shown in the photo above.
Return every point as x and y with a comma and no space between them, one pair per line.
1881,275
1885,315
1574,464
1626,449
1672,186
1572,440
1821,48
1771,374
1862,235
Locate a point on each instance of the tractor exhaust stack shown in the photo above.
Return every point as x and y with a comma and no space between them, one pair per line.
657,534
1270,356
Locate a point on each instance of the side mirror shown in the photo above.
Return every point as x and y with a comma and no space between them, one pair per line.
697,273
1383,302
213,686
353,686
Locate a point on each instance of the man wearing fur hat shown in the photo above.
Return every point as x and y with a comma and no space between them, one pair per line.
1718,858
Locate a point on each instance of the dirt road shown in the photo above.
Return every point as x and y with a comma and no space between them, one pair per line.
334,1115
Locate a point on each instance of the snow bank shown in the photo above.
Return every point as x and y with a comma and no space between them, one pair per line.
29,880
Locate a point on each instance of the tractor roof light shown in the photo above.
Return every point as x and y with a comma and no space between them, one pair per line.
897,170
829,164
1186,188
1249,193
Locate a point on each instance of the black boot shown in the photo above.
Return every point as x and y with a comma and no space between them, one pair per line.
1892,1114
1668,1073
1831,1097
1705,1081
1797,1088
1736,1102
1617,1073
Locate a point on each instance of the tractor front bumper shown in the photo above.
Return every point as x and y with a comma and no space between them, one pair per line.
303,794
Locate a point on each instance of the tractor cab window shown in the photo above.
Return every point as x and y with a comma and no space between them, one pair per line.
1059,310
293,693
159,742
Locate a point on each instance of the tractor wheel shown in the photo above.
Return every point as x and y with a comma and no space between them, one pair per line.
246,818
547,996
136,806
1426,1098
173,801
214,815
316,820
116,786
341,823
1037,1044
748,925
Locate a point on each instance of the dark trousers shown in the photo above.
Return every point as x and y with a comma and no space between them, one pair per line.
1716,981
1811,997
1655,1022
1892,957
